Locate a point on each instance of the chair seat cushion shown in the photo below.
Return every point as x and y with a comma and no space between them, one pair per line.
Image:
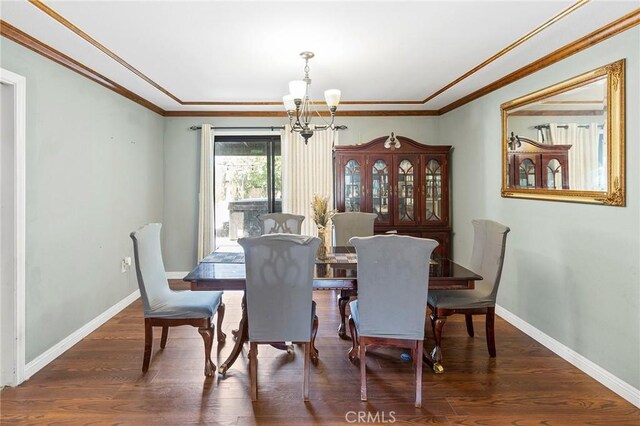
187,304
459,299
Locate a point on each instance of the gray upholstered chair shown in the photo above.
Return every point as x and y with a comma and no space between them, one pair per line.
166,308
345,226
487,258
393,279
279,277
280,223
352,224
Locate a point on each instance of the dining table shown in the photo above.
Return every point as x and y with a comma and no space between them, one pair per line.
224,270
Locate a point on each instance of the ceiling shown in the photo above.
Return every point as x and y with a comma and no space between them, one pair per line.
240,55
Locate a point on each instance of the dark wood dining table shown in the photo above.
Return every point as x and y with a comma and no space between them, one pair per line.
225,270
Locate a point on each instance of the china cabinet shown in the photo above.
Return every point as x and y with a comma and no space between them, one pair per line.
533,164
406,184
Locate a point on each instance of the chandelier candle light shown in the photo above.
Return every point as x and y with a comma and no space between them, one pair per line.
298,104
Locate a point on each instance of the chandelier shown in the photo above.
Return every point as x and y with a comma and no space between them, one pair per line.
300,108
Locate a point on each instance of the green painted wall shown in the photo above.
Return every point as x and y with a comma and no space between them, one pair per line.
94,173
571,270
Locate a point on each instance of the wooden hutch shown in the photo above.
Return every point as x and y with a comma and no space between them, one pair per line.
537,165
402,181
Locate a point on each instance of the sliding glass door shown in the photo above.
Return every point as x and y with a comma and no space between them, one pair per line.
248,183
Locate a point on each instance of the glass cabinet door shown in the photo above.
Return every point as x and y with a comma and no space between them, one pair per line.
352,186
527,173
433,191
405,192
380,190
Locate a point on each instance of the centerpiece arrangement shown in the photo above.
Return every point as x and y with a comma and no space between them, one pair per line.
321,215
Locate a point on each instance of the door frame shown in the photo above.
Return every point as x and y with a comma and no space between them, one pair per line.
17,293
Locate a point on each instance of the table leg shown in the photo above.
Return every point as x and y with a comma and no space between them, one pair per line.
242,336
345,295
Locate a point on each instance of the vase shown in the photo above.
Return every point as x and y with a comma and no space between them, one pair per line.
322,248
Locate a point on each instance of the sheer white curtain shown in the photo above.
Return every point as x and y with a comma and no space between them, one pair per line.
206,212
584,171
306,170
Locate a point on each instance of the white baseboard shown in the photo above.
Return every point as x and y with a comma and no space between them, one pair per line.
622,388
58,349
176,275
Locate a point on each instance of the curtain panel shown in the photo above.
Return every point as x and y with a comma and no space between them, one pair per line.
306,170
206,212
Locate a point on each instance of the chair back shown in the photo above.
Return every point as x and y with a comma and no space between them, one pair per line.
393,279
487,257
281,223
152,278
352,224
279,277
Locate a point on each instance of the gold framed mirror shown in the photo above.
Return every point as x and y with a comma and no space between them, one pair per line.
566,142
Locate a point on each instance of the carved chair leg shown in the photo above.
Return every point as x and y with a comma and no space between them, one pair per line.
363,370
207,336
308,350
148,344
221,336
353,352
469,320
253,370
418,365
165,334
314,351
491,338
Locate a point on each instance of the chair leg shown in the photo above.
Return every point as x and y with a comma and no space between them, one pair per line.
353,352
221,336
314,351
491,338
253,370
148,344
165,334
418,364
363,370
305,385
207,336
469,320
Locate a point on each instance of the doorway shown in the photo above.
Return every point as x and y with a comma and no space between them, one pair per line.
12,228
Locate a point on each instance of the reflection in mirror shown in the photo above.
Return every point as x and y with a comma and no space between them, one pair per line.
566,142
575,119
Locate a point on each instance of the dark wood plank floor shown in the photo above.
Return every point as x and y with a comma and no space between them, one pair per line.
100,380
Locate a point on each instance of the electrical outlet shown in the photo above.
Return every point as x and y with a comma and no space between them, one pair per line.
125,264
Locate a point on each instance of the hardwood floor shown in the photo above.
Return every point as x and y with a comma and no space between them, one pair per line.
100,380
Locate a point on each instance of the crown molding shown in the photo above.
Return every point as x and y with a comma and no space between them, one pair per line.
616,27
12,33
68,24
509,48
353,113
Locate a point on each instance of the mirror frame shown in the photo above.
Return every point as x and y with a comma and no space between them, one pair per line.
615,126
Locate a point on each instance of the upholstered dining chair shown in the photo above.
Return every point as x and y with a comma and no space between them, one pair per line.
487,258
166,308
345,226
393,280
352,224
279,279
280,223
